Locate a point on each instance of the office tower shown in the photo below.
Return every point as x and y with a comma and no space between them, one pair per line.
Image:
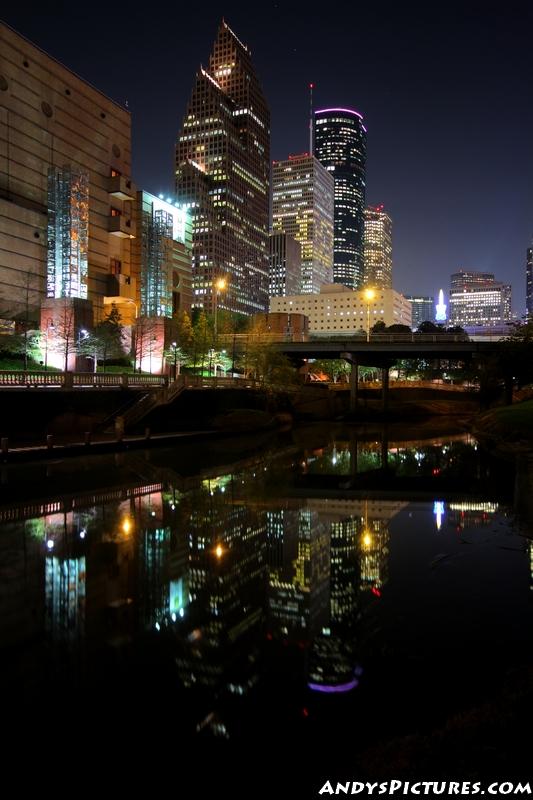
65,192
478,300
285,265
337,309
340,145
529,283
377,248
222,176
422,309
302,206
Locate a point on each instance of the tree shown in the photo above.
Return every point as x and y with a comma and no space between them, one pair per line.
106,341
397,328
64,341
378,327
429,327
202,340
334,368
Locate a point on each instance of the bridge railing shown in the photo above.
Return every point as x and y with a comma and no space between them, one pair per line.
390,338
67,380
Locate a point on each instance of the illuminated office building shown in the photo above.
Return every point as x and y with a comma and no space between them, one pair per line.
340,146
377,248
529,283
285,265
302,206
477,300
422,309
223,177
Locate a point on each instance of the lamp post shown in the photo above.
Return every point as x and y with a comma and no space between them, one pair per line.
220,285
369,295
175,354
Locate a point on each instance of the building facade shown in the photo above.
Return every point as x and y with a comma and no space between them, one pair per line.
302,206
377,248
285,265
338,309
529,282
422,309
477,300
340,146
66,194
223,177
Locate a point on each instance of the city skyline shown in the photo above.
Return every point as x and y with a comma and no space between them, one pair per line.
477,210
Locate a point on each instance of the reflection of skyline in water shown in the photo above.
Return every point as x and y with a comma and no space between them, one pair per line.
219,569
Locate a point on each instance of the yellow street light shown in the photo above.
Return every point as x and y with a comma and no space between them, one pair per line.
369,296
219,551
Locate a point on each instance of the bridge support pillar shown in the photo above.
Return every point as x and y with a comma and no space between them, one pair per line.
354,382
385,387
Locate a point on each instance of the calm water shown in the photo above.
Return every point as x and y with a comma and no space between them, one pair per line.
300,592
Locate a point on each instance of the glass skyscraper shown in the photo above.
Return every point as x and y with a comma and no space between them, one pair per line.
340,146
223,177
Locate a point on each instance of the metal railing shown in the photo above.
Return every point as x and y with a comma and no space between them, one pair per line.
390,338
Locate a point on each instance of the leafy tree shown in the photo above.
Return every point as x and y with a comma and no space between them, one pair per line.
378,327
429,327
397,328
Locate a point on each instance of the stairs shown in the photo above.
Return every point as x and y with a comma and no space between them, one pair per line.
150,400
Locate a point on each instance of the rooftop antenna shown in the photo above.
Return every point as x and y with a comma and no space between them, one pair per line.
311,87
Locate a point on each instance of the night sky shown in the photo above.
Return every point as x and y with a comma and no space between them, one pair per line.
445,89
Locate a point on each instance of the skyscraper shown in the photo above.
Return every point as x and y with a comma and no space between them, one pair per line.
377,248
302,205
423,308
285,264
529,282
340,145
222,175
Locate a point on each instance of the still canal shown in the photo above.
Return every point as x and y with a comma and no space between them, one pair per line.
362,593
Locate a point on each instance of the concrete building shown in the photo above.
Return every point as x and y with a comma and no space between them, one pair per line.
302,206
285,265
340,146
66,194
377,248
223,176
338,309
477,300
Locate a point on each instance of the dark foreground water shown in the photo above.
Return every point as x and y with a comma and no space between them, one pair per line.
297,605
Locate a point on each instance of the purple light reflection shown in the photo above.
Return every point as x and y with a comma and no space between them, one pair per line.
342,687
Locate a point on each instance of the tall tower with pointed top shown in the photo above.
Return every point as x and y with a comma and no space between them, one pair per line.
223,177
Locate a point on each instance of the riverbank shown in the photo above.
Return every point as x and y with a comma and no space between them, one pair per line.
509,428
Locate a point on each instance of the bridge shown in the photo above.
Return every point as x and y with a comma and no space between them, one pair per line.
382,350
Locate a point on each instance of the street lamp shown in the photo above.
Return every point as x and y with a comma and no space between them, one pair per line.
220,285
175,354
369,296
